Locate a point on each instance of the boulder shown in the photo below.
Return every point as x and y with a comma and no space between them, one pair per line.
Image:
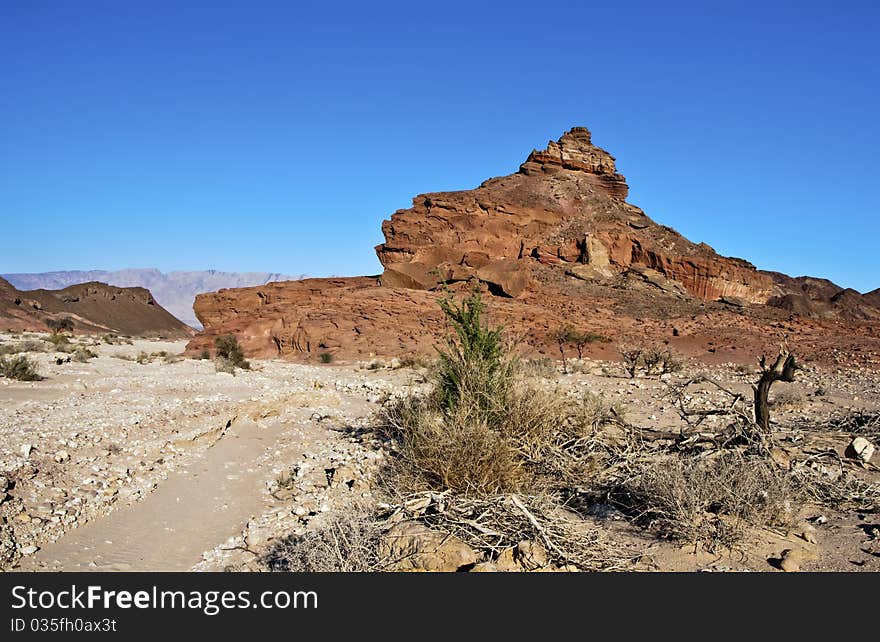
412,546
860,449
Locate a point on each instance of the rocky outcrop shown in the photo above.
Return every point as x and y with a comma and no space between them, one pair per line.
555,242
565,207
575,152
820,298
90,307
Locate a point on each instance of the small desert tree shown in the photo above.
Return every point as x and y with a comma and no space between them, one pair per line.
783,369
59,325
581,339
564,335
633,357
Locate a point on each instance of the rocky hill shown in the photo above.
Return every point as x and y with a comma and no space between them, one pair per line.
175,291
555,242
91,307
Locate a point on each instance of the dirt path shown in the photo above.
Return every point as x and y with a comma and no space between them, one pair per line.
198,506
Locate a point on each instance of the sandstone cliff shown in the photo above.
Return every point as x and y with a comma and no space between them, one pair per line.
564,208
555,242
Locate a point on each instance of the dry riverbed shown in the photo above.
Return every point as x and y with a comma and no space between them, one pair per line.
139,459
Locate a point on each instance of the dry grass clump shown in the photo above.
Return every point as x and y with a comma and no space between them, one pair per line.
22,347
653,360
347,541
541,368
831,481
115,339
19,368
789,399
456,450
713,500
83,355
863,423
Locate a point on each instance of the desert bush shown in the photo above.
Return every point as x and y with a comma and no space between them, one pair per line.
23,346
660,361
83,355
414,361
325,357
582,339
789,399
459,452
20,368
713,501
836,486
541,367
224,365
57,326
632,358
114,339
205,355
743,369
543,440
475,366
474,432
563,335
228,350
655,360
347,541
58,339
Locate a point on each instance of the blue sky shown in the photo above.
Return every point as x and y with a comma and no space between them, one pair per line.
277,135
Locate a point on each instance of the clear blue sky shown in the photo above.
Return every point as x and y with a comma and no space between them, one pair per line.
277,135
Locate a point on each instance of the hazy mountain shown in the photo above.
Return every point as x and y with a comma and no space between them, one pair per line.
175,291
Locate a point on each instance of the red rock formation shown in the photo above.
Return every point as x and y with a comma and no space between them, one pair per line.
563,200
556,241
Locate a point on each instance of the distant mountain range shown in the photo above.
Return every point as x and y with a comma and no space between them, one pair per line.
175,291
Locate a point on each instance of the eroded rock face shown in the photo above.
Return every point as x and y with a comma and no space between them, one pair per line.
564,207
555,243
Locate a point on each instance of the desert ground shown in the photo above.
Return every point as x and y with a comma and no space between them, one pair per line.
138,458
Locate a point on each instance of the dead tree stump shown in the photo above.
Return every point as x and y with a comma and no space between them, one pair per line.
783,369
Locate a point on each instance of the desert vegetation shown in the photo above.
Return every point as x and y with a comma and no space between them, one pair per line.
228,355
500,457
20,368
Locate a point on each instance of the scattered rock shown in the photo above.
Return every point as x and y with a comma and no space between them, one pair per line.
531,555
860,449
415,547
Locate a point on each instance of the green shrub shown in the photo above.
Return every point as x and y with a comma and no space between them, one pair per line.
325,357
475,364
229,350
58,339
20,368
